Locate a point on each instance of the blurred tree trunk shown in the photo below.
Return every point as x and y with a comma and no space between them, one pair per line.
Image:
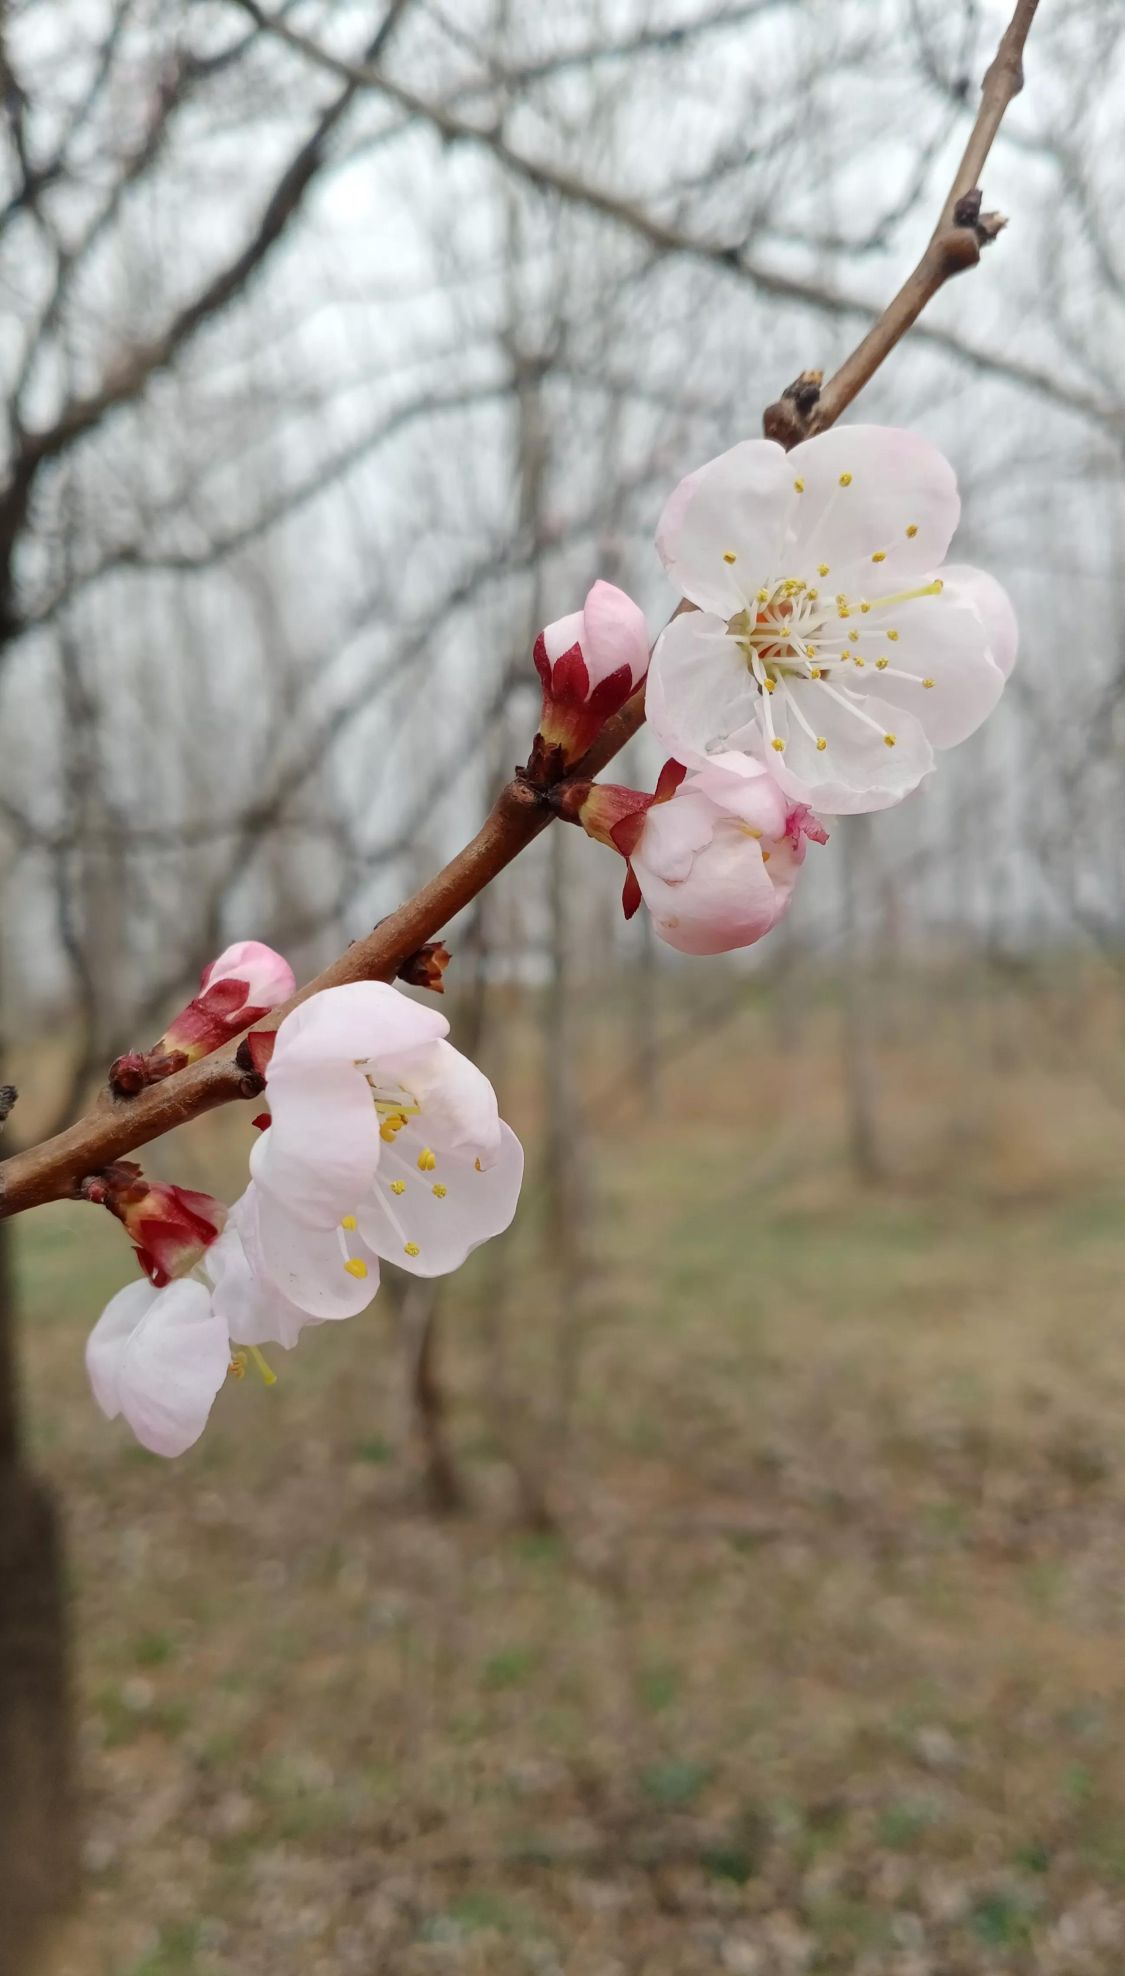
38,1825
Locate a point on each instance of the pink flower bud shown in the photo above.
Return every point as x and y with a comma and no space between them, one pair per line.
589,664
246,982
170,1227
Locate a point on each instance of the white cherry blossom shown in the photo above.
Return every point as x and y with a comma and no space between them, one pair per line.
829,643
384,1142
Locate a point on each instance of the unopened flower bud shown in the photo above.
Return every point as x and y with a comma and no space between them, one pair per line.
244,984
589,664
170,1227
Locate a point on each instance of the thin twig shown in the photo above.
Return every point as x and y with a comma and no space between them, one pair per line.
115,1127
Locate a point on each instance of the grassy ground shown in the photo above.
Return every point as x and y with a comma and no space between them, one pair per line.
821,1664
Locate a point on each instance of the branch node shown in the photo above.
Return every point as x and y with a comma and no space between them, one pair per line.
8,1096
787,421
425,967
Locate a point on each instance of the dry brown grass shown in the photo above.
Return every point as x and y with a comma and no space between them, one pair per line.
822,1668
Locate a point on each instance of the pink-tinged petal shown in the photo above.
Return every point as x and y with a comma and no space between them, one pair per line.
725,901
964,585
856,771
268,977
255,1311
748,792
105,1347
458,1111
673,833
172,1367
563,635
615,634
443,1211
734,507
307,1265
352,1023
869,490
699,690
321,1151
945,642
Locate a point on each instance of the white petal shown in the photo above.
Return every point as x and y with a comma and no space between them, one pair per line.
745,789
172,1368
458,1104
345,1025
942,640
614,634
899,481
322,1150
736,505
306,1265
442,1227
974,586
699,689
857,771
563,634
725,901
105,1347
254,1310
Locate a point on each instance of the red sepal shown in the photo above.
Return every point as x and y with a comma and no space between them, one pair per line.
630,894
258,1048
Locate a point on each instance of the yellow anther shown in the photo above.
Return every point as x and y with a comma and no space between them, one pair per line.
892,635
810,651
813,595
842,611
398,1186
356,1267
860,662
411,1249
778,744
935,588
927,682
426,1160
390,1126
889,740
237,1366
348,1221
845,480
763,596
912,530
881,665
853,635
865,608
477,1166
880,556
771,685
822,569
765,857
439,1190
800,486
821,744
816,673
729,556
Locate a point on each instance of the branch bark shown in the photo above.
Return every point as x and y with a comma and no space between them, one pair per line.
115,1127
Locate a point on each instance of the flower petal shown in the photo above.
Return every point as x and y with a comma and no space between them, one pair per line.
894,482
172,1367
699,689
457,1102
444,1211
351,1023
945,642
734,507
672,834
726,899
306,1265
745,789
615,634
321,1151
857,771
974,586
105,1347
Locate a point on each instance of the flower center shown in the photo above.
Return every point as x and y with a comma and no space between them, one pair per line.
791,638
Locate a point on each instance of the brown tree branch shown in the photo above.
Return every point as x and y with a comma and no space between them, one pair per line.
954,246
950,250
116,1127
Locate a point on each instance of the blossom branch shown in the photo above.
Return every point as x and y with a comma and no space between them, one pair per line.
955,245
116,1126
